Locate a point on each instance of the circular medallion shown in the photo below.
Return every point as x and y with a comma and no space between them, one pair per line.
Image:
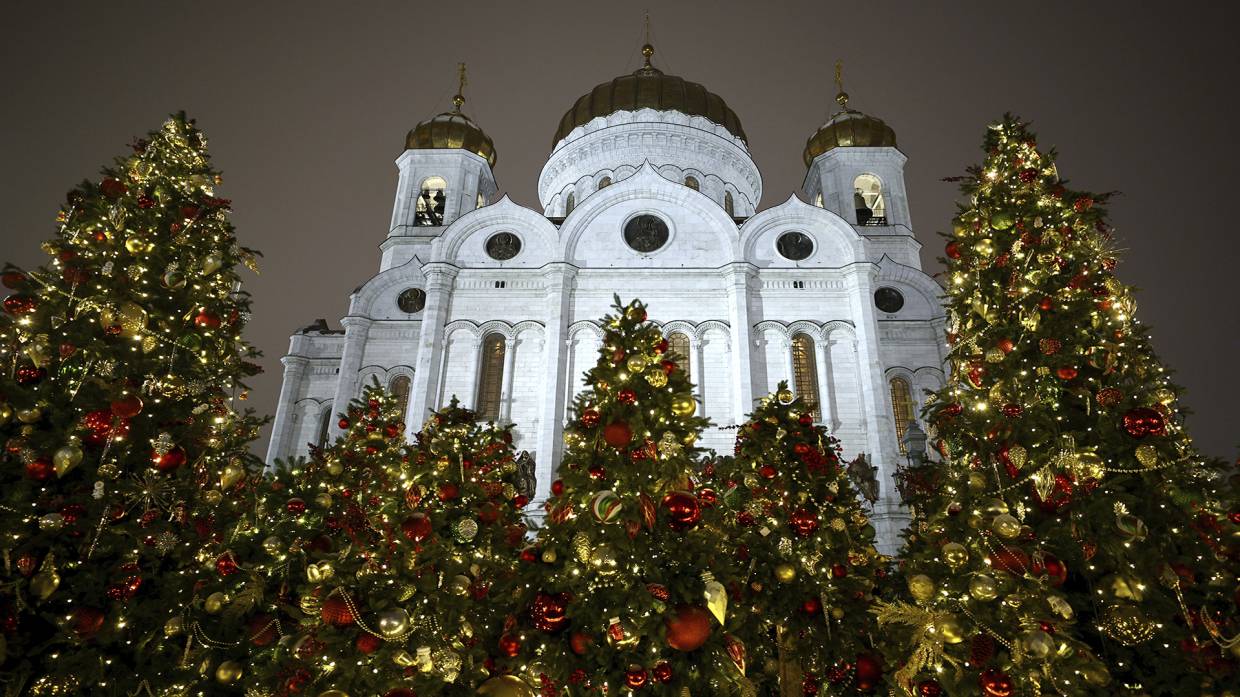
503,246
646,233
795,246
411,300
888,300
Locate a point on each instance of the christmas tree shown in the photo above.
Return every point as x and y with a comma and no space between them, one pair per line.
375,568
796,523
122,356
629,580
1077,544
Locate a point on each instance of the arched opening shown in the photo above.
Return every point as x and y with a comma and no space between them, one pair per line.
805,374
902,409
868,200
604,183
728,206
325,425
570,203
678,344
491,379
399,387
431,201
692,183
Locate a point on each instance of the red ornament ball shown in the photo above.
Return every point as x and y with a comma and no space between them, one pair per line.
226,564
636,677
1066,372
683,510
87,621
839,571
803,522
127,407
995,683
449,491
557,487
367,643
509,645
952,249
1046,304
20,304
169,461
261,629
663,672
768,471
1050,565
580,642
40,469
617,434
590,417
929,688
812,606
416,527
13,279
30,375
295,506
869,671
548,613
112,188
658,591
343,423
626,396
336,612
688,628
1143,421
1012,560
207,320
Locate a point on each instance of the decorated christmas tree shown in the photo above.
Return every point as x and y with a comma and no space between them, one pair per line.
629,580
796,523
122,357
1078,543
376,568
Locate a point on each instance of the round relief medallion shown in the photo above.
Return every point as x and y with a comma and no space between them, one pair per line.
503,246
411,300
646,233
888,300
795,246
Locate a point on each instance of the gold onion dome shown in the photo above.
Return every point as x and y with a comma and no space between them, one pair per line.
452,129
649,88
849,128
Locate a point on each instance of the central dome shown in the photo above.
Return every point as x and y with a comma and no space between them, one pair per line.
649,88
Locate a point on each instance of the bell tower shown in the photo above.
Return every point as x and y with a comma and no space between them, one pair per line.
446,171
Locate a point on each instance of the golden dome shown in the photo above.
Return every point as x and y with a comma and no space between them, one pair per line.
649,88
849,128
451,129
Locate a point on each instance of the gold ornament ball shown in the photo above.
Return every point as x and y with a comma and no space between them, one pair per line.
212,497
228,672
215,602
921,587
1038,643
460,585
45,582
505,686
230,475
1006,526
549,556
656,378
995,506
955,554
174,626
684,406
132,318
334,468
837,613
1089,463
603,559
66,458
6,413
637,363
272,545
323,500
984,247
983,587
29,416
977,481
393,622
785,573
784,396
211,263
951,631
135,244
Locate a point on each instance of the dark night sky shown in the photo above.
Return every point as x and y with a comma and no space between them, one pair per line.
307,106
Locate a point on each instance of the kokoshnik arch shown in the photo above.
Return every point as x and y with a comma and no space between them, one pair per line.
649,192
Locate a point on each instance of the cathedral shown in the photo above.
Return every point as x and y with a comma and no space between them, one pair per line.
649,192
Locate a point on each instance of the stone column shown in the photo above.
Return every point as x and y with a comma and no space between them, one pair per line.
790,371
736,282
557,297
881,440
426,374
281,429
826,411
698,375
505,391
356,330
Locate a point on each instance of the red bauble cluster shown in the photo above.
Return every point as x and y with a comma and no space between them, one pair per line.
683,510
548,613
1143,421
688,628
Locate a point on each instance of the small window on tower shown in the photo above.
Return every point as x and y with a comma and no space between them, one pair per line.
902,409
692,183
431,200
570,203
728,206
490,382
805,373
868,199
604,183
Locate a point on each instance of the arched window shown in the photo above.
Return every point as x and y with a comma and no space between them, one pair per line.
491,377
431,200
570,203
678,344
728,206
868,200
692,183
481,201
325,425
399,387
604,183
902,408
805,373
818,199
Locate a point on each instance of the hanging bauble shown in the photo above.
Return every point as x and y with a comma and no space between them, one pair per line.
66,458
635,677
40,469
983,587
262,629
509,644
548,612
464,530
869,671
803,522
228,672
336,612
214,603
393,622
1050,565
18,305
952,250
505,686
626,396
416,527
169,460
922,588
683,510
617,434
784,396
174,626
1143,421
87,621
1066,372
656,378
1132,527
637,363
1147,455
30,375
603,560
580,642
929,688
1006,526
212,263
230,474
226,564
448,491
206,320
955,555
173,278
127,407
295,506
605,506
13,279
1037,643
1012,560
995,683
688,628
785,573
684,406
589,417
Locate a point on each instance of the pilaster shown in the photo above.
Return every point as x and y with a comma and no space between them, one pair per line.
426,374
281,428
505,391
557,298
736,283
355,331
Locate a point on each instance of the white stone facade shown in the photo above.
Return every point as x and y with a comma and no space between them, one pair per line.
719,280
